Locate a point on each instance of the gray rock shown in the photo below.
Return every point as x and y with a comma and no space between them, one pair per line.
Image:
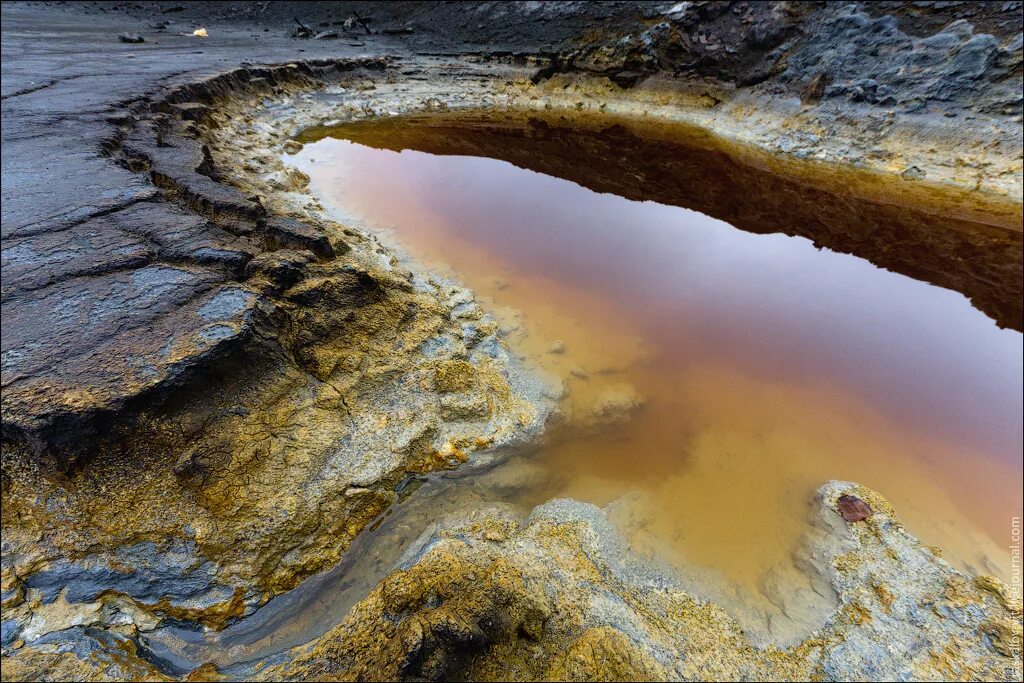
144,571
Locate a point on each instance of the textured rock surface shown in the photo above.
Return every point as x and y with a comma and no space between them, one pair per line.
915,73
204,402
952,71
208,392
559,597
267,466
909,56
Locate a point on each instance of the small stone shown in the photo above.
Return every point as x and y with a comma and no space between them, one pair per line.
130,38
557,346
853,509
292,147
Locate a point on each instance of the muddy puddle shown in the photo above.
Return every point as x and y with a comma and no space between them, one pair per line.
718,375
729,336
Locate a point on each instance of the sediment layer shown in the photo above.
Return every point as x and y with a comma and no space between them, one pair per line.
279,416
558,596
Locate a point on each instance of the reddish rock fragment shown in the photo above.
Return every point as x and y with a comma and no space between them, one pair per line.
853,509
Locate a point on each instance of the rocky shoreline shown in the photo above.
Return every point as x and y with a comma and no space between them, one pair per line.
559,596
358,377
233,386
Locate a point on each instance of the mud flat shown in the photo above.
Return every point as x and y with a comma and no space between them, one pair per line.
216,388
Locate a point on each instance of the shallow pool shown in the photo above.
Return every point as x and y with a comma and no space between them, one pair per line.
714,376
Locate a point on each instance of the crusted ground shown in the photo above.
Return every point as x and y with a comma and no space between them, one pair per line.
209,389
558,596
260,470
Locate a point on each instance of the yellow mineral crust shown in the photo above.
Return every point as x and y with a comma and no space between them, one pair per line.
558,597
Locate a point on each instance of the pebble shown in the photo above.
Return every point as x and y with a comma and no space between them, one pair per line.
853,509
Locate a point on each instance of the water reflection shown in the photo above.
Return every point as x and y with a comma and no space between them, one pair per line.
764,365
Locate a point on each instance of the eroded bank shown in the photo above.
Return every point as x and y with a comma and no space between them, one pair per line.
304,400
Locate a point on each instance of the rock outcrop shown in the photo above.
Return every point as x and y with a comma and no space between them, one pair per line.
558,596
243,393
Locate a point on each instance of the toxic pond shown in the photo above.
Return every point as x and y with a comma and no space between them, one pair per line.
713,376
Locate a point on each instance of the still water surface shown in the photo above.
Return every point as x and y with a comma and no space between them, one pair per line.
757,365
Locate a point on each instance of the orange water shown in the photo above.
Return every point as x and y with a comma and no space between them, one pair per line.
764,366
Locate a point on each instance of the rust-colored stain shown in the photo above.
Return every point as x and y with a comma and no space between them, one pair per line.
853,509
